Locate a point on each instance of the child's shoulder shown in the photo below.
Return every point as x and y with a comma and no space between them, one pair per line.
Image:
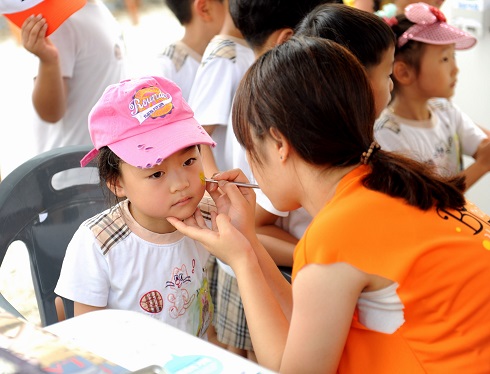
387,121
178,52
223,46
108,227
440,104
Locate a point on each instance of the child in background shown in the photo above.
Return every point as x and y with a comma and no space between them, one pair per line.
147,147
421,121
202,20
223,65
225,61
76,63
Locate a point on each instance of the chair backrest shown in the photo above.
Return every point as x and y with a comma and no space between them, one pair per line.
36,209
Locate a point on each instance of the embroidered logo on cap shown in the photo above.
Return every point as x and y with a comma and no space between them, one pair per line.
150,102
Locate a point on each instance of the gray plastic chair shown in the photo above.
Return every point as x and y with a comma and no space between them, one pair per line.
45,217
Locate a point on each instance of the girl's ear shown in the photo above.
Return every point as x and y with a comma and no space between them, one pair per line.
281,143
116,187
403,73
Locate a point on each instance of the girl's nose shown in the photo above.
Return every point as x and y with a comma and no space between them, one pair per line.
178,182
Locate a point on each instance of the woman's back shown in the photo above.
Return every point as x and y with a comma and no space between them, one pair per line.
439,259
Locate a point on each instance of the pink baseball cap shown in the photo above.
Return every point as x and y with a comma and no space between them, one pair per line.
431,28
54,11
143,121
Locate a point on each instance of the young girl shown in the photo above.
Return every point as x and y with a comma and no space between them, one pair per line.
431,130
129,257
392,274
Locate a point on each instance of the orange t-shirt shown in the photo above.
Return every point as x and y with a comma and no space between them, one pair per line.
441,261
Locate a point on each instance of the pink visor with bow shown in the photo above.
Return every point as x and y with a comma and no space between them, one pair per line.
430,27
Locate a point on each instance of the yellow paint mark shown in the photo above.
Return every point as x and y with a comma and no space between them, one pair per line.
486,244
202,177
458,229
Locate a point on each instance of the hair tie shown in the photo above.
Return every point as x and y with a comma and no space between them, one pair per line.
372,149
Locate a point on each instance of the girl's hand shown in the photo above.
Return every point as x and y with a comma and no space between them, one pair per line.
238,203
223,240
33,33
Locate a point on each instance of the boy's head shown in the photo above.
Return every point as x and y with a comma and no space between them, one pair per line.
183,9
143,121
365,34
422,25
258,19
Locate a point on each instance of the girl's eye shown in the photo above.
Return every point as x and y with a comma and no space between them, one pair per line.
190,161
157,175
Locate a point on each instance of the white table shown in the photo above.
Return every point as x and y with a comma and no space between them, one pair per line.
134,340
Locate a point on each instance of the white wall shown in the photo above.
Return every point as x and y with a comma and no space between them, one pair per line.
473,97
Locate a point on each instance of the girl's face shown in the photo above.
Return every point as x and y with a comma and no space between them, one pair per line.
173,188
380,79
438,71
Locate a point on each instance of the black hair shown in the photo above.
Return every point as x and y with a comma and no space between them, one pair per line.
182,9
365,34
258,19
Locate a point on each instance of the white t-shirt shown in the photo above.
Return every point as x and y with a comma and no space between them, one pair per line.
441,141
113,262
225,61
294,222
179,63
91,53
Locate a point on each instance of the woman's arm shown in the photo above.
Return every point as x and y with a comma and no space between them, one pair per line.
325,297
278,242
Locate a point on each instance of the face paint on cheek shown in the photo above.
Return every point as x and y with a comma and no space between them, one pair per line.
202,178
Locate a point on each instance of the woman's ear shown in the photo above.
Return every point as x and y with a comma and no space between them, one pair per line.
403,73
281,143
115,186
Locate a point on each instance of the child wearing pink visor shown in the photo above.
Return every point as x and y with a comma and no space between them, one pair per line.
146,145
421,121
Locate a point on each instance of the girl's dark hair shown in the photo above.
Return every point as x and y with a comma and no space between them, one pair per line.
108,164
411,52
317,95
365,34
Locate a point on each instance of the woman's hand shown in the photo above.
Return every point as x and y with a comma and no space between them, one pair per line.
238,203
223,240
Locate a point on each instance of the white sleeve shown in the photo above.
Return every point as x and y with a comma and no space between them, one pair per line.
265,203
84,274
64,40
387,136
212,92
469,133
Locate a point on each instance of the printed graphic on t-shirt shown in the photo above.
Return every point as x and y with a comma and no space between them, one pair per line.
179,296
